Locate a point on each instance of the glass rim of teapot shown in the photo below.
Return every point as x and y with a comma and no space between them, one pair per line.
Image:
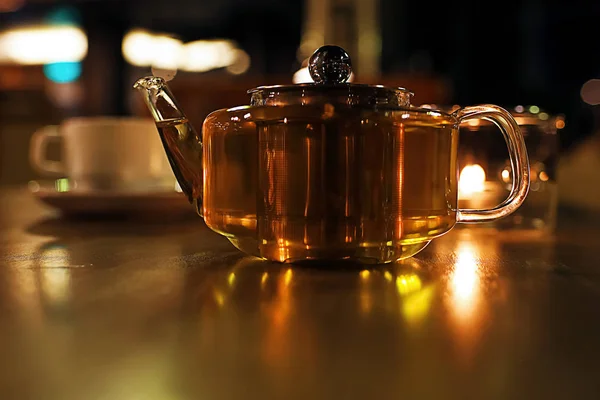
352,94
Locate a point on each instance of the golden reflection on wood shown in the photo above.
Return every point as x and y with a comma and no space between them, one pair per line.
466,293
173,312
276,345
366,293
465,282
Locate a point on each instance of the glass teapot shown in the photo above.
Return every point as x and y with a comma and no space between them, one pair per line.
329,170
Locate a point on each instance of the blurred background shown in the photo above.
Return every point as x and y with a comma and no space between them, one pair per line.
60,59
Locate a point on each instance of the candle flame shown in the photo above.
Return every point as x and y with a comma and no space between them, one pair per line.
472,179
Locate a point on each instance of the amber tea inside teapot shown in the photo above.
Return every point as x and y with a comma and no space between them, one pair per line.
328,170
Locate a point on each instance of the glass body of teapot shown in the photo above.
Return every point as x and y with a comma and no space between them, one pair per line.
328,171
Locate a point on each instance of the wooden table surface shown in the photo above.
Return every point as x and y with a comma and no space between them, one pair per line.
171,311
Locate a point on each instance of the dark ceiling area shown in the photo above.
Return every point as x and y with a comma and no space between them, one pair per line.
520,52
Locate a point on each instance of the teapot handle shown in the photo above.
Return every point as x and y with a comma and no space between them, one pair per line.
519,162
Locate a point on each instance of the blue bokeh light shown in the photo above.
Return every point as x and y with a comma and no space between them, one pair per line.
64,15
63,72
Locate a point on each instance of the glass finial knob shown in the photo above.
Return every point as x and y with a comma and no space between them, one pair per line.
330,65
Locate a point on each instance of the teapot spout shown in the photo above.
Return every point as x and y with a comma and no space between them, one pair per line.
182,143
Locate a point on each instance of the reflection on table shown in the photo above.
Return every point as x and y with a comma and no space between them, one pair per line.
113,309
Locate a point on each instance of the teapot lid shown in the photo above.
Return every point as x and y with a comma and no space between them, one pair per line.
330,68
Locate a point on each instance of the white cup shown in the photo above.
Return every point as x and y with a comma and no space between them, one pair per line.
105,153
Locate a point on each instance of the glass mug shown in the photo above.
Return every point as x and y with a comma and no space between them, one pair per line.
328,171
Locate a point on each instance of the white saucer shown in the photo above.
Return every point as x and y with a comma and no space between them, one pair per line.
74,202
